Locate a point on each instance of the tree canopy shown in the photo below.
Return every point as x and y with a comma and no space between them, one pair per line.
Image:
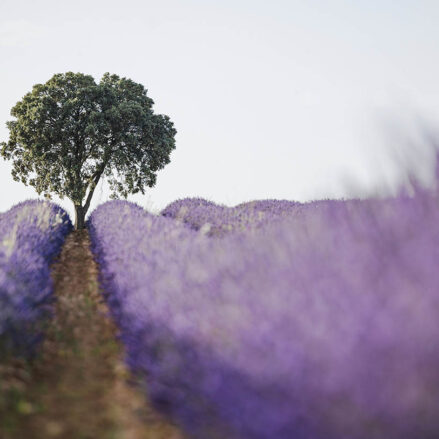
71,131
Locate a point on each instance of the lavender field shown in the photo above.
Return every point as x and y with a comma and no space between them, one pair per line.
276,319
31,235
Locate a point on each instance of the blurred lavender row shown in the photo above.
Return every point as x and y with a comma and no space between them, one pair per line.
316,321
31,235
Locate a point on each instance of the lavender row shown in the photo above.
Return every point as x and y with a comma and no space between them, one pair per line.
323,326
31,234
218,220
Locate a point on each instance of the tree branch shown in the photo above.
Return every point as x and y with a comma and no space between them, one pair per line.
93,185
94,181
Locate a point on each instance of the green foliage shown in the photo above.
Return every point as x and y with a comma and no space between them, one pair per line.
70,132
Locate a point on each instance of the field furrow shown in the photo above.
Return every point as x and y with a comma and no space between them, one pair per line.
78,387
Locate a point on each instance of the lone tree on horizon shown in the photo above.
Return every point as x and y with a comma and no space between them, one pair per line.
71,131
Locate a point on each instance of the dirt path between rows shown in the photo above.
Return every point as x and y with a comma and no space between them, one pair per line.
79,385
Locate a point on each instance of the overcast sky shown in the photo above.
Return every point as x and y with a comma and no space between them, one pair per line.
271,99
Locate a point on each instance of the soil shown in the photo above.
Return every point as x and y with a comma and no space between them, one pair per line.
78,387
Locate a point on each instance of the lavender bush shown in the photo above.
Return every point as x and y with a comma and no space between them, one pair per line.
31,234
320,322
217,220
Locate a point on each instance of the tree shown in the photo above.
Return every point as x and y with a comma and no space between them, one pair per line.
71,131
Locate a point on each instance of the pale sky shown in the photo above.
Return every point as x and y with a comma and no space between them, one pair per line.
271,99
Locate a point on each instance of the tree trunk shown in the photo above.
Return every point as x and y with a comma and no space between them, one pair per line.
79,217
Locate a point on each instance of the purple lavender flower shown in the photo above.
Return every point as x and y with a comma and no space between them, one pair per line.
217,220
31,234
316,321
